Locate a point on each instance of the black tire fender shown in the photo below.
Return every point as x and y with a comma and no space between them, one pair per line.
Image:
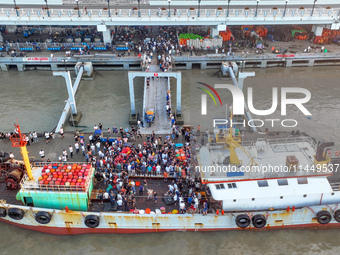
16,213
242,220
92,221
259,221
3,212
323,217
43,217
336,215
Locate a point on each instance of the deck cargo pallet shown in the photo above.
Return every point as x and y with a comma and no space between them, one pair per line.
65,185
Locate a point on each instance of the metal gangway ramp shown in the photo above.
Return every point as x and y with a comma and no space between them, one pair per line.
155,97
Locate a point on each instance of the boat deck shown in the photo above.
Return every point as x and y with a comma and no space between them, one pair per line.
263,159
156,183
8,195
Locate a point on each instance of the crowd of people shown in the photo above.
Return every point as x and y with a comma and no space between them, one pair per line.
118,162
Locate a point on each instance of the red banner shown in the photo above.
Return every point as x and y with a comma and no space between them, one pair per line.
285,56
36,59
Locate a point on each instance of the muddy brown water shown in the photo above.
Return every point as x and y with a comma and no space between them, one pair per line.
37,98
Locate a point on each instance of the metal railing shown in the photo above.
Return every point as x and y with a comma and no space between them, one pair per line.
104,2
335,186
292,140
184,13
26,184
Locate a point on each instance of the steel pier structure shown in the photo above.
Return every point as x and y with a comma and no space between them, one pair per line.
218,17
70,102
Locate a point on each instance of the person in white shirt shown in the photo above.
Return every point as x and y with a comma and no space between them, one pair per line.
65,153
61,132
47,136
98,146
182,207
158,169
93,149
120,203
76,146
27,139
35,137
42,153
71,150
83,149
196,203
64,158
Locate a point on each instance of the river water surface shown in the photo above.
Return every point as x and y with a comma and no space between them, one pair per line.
37,98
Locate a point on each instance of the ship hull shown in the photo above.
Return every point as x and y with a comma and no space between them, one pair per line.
78,231
72,223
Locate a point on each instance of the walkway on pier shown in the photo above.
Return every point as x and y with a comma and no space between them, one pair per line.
155,98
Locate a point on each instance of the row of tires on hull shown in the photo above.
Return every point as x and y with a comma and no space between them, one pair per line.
93,221
42,217
259,220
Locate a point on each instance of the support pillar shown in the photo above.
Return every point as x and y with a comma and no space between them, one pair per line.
289,63
70,90
126,66
188,66
311,63
106,33
263,63
4,67
132,93
21,67
71,102
203,65
179,94
242,76
317,29
54,67
214,31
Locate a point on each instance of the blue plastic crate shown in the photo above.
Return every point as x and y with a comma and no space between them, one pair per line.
54,48
99,48
232,174
26,49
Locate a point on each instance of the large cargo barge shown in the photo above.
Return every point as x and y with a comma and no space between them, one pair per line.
262,185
